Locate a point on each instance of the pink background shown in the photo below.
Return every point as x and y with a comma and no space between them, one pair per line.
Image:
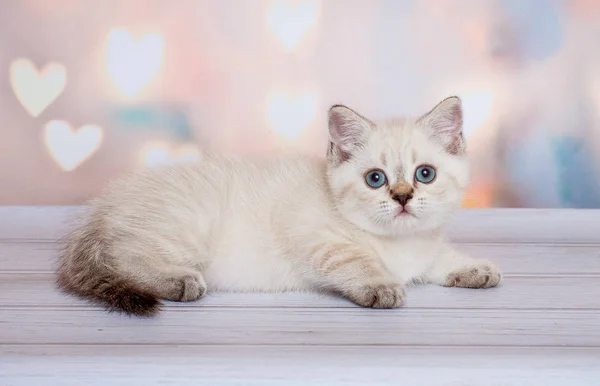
254,76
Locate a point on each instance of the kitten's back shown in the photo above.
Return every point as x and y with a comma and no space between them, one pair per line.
150,224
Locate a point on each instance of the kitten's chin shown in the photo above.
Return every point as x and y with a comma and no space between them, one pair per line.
411,223
401,224
407,223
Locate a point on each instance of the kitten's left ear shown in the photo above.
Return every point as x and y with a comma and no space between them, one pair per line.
444,123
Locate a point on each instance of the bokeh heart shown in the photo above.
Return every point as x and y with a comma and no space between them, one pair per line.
70,147
37,89
289,115
289,20
159,153
478,100
133,64
477,107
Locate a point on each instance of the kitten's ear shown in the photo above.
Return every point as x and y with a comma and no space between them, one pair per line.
348,131
444,123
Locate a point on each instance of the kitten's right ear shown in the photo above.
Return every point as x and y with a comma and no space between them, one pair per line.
348,131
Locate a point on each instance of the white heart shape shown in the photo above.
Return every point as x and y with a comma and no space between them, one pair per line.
158,153
34,89
289,20
69,147
477,107
289,115
133,64
477,100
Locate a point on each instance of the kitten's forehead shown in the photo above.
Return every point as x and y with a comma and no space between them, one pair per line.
398,133
397,143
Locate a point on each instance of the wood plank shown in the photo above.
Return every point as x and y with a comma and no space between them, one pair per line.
36,222
37,290
297,326
28,256
520,259
296,365
443,336
469,225
555,226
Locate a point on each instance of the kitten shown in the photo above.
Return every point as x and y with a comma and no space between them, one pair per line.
362,223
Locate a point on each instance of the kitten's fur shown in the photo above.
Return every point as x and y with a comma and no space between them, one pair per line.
241,224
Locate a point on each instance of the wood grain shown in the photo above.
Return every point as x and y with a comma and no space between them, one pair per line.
315,326
76,365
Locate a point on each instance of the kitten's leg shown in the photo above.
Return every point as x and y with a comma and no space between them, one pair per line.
356,274
455,269
169,282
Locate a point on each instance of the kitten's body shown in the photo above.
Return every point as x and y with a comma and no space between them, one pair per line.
293,223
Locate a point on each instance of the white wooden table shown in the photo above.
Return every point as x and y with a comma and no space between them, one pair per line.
540,327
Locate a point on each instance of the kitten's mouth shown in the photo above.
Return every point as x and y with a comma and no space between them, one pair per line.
404,212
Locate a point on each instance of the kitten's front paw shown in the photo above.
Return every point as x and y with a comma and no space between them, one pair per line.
484,275
390,295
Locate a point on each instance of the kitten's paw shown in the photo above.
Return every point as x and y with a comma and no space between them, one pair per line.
389,295
484,275
187,288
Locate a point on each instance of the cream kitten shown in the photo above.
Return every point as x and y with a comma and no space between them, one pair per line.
363,223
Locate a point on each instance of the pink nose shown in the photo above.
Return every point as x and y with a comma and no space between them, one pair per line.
402,198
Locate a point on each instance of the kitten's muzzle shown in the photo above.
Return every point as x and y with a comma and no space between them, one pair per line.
402,198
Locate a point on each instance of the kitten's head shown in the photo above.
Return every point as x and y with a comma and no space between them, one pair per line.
399,176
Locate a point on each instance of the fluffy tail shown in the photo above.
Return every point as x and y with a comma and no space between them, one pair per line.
85,270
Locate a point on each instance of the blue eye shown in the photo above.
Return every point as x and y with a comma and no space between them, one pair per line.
375,179
425,174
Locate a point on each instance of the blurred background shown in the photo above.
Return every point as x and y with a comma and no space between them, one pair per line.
90,89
